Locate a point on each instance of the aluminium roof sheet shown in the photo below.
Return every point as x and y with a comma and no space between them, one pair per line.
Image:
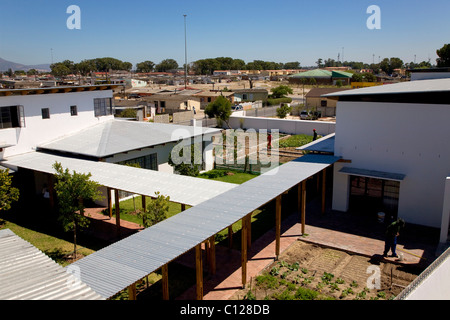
26,273
373,174
116,136
181,189
324,144
121,264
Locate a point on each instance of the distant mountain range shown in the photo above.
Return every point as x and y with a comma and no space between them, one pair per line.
5,65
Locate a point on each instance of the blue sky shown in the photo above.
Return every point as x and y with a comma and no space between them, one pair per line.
281,31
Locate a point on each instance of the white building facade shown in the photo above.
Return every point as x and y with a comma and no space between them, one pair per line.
395,146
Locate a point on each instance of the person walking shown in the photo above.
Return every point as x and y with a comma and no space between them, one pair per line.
392,233
315,135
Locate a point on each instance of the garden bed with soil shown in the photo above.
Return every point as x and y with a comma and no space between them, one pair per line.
311,272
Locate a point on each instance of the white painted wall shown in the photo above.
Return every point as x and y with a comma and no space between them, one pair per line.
38,130
410,139
323,128
429,75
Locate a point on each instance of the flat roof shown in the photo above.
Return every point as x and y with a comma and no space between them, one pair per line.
121,264
26,273
423,86
117,136
59,89
324,144
373,174
181,189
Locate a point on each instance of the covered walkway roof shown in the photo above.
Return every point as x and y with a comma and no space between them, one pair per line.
181,189
26,273
121,264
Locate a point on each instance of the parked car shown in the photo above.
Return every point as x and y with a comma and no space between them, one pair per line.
237,108
134,96
304,115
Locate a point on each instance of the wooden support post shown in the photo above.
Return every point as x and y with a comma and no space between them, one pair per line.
212,255
132,292
199,271
324,174
277,226
109,199
244,251
230,237
165,281
299,197
144,203
116,199
249,230
51,191
303,214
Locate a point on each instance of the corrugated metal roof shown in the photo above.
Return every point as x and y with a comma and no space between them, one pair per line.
317,73
181,189
121,264
116,136
26,273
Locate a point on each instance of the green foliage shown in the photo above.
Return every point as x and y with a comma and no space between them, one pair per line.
327,277
8,194
128,113
166,65
274,102
145,66
281,91
295,141
72,190
283,111
156,211
184,163
444,56
388,65
219,109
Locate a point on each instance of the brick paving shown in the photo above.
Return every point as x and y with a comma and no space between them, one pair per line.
342,231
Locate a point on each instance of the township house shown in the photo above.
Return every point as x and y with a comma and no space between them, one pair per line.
78,123
394,144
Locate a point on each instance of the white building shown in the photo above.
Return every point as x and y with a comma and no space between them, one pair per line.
78,122
395,149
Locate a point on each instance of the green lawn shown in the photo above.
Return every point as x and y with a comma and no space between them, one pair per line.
295,141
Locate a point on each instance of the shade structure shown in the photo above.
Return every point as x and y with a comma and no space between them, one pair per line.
121,264
26,273
181,189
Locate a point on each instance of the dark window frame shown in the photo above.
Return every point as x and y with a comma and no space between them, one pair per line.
73,110
45,112
12,117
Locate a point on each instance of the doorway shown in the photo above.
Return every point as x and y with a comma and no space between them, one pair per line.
369,196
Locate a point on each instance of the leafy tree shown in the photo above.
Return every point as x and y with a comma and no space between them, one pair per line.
61,69
85,67
389,65
444,56
283,110
8,194
128,113
319,63
281,91
292,65
166,65
186,164
72,189
146,66
219,109
156,211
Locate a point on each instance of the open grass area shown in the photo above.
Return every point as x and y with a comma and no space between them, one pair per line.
295,141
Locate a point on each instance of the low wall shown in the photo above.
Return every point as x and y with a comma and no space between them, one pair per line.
283,125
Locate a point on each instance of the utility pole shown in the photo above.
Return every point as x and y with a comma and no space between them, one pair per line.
185,54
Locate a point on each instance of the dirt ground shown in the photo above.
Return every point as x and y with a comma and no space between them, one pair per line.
349,276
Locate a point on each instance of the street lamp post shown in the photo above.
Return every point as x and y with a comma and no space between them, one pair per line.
185,54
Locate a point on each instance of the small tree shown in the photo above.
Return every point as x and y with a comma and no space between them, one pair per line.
281,91
72,189
283,110
8,194
219,109
156,211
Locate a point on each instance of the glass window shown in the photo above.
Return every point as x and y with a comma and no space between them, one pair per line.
73,111
45,113
103,107
12,117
